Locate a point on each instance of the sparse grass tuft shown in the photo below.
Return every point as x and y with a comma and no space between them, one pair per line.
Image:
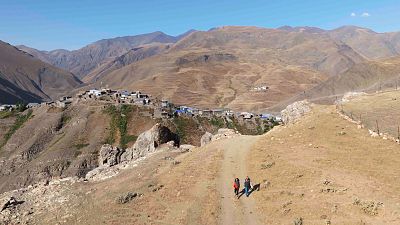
6,114
21,119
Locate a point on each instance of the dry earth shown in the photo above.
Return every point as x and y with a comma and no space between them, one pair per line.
324,169
320,170
382,107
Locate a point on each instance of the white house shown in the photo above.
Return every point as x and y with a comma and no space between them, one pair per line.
246,115
95,92
32,105
4,107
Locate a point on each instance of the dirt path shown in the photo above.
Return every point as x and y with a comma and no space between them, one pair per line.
236,211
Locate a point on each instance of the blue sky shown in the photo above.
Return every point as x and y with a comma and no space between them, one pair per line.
72,24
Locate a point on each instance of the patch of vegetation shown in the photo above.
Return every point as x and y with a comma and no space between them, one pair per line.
6,114
119,122
21,119
65,119
20,107
181,125
217,122
113,113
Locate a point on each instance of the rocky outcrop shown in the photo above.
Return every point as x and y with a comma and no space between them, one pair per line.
148,141
221,134
110,155
224,133
294,111
206,138
350,95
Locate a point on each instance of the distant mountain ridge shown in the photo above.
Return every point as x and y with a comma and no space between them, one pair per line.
24,78
219,67
82,61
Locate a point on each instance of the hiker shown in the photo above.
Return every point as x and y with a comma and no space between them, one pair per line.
247,186
236,186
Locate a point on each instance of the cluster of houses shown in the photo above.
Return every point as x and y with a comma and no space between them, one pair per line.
168,109
125,97
162,109
7,107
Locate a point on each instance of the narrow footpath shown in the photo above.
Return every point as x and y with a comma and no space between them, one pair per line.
242,210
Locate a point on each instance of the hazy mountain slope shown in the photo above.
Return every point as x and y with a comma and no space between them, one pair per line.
277,46
367,42
367,76
25,78
219,68
84,60
133,55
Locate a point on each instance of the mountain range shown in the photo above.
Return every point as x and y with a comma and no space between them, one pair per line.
222,66
24,78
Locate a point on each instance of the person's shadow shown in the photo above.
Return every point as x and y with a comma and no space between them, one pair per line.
241,193
255,187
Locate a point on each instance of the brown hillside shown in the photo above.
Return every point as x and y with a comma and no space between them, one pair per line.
218,68
25,78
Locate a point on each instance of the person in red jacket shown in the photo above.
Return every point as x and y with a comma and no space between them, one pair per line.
236,186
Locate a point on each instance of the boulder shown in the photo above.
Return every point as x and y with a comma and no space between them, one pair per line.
148,141
294,111
8,202
206,138
224,133
186,148
109,155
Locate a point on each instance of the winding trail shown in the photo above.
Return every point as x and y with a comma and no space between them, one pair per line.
242,210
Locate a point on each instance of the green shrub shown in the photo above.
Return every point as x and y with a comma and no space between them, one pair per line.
181,125
217,122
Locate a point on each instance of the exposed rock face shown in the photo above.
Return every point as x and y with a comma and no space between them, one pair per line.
148,141
221,134
224,133
110,155
294,111
350,95
206,138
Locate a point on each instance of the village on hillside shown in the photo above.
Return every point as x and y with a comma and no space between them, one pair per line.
162,108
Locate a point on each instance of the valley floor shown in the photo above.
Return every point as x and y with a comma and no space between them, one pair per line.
320,170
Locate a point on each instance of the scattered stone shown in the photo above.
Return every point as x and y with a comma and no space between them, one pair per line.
267,165
326,182
157,188
175,162
341,133
186,148
369,207
266,184
298,221
127,197
286,204
224,133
